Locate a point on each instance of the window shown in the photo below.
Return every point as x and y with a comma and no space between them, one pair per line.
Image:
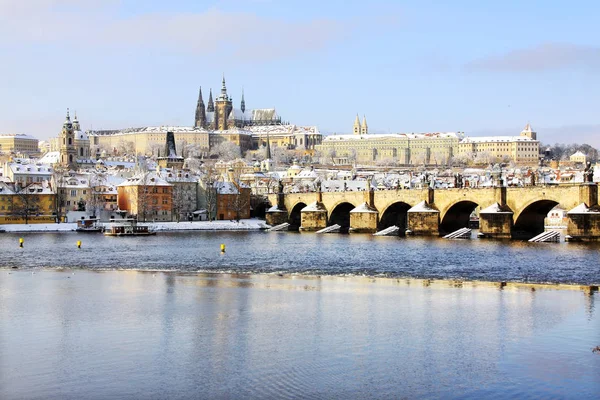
73,193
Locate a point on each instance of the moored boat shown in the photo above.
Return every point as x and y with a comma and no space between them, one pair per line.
91,224
129,227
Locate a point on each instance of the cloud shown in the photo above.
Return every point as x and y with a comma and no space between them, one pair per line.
93,23
548,56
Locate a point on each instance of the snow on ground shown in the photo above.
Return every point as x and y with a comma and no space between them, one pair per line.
243,225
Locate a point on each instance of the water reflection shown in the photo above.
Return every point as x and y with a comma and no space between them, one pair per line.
134,334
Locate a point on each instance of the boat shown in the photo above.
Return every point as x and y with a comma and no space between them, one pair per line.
128,227
91,224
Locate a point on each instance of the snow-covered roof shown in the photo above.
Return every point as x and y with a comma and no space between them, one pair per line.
497,139
226,188
16,136
283,129
145,179
147,129
314,206
81,135
30,169
380,136
422,207
578,154
583,209
363,208
495,209
264,114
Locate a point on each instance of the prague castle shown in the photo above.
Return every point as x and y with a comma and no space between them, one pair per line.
214,122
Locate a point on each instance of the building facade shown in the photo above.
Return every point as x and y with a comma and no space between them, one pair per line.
19,143
147,196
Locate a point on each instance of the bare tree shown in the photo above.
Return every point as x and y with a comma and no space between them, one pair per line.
210,194
59,177
95,201
226,151
27,201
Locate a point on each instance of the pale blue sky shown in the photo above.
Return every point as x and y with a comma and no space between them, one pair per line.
409,66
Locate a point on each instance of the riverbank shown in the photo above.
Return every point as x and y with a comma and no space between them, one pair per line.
243,225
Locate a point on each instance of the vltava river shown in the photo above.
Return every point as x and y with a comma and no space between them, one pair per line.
330,254
100,322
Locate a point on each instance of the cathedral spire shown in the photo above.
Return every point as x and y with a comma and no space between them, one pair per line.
211,104
200,119
243,104
364,129
268,155
223,89
356,127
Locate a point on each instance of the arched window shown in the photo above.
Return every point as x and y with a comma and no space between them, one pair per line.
70,141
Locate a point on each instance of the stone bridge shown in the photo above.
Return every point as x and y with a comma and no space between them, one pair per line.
504,212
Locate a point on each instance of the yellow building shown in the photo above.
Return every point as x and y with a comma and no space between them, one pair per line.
408,149
286,136
19,143
151,140
31,204
578,158
515,148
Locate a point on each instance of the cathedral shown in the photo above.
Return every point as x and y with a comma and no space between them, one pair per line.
220,115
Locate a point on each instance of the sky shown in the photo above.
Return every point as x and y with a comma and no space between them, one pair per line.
478,67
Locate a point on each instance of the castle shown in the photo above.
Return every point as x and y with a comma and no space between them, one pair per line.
220,115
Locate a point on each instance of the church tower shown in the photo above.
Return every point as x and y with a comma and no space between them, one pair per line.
528,132
200,112
223,107
211,104
356,127
68,151
243,103
364,129
76,126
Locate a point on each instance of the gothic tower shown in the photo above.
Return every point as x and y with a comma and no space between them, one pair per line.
200,112
364,129
211,104
356,128
68,151
223,107
243,103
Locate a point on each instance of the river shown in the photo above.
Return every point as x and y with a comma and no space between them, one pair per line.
285,315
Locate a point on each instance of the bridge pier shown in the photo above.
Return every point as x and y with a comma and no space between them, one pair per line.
496,221
583,221
423,220
314,216
277,214
364,218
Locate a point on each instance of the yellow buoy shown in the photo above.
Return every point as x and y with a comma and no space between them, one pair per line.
222,248
21,241
79,244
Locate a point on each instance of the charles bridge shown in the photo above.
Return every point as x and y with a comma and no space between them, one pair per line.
505,212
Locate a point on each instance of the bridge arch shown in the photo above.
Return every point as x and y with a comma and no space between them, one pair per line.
295,218
394,214
457,216
340,214
530,220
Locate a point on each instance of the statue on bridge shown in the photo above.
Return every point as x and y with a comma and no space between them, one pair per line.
588,173
280,187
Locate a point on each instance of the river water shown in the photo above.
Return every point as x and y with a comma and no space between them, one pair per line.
295,316
331,254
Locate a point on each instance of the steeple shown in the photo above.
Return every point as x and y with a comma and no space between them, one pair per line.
243,103
223,90
356,127
364,129
211,104
76,126
268,156
67,120
200,120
